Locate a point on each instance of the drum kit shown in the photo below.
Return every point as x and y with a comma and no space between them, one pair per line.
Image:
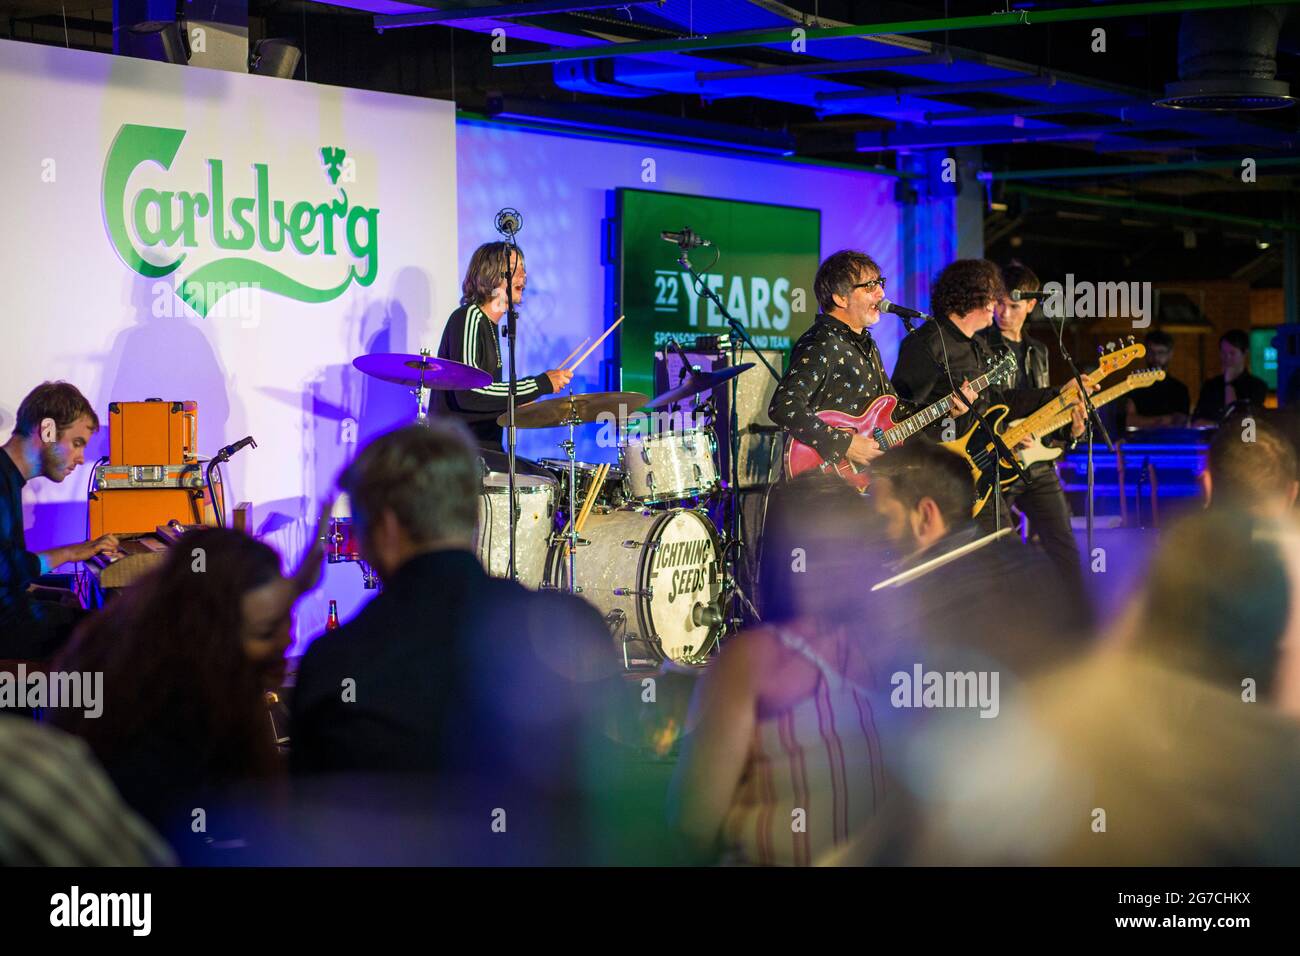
636,539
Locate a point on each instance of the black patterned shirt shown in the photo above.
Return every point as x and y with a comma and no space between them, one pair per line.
831,367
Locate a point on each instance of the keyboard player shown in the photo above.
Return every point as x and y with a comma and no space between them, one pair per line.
54,424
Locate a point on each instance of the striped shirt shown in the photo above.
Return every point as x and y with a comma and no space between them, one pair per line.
58,808
472,338
814,775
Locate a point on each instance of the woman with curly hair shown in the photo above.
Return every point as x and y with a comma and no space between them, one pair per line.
186,658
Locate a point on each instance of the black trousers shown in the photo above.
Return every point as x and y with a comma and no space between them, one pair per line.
1043,502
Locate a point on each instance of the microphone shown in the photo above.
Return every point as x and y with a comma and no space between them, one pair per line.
705,615
686,239
901,310
672,346
509,222
1019,295
225,453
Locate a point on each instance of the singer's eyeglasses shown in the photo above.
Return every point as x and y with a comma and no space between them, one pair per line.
871,284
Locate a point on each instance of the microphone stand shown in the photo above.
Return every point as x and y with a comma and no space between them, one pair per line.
1094,421
512,317
740,337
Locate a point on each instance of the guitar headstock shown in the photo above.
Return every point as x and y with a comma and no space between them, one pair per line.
1116,355
1143,379
1002,369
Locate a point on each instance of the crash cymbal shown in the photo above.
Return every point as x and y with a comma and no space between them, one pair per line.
417,370
550,412
698,382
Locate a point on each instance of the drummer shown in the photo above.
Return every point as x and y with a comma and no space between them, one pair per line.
472,337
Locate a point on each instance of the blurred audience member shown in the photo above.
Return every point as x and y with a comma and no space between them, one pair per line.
1235,390
1175,748
1163,404
999,591
1229,620
1117,760
782,759
1251,467
58,809
476,684
187,656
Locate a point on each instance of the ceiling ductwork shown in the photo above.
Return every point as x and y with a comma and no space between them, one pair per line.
1227,60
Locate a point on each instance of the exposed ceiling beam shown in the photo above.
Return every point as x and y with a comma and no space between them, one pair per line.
829,66
1010,18
536,8
1132,169
935,89
1166,209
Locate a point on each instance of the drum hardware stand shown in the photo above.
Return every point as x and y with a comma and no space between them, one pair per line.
422,392
570,452
739,339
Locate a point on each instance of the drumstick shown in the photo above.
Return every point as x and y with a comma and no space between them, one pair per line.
597,481
596,343
575,521
574,352
601,472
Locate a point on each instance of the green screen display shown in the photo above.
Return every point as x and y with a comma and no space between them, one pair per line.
764,276
1263,356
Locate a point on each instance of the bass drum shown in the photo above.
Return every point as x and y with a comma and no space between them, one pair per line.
656,576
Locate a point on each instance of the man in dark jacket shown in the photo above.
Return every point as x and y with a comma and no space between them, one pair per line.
1041,500
477,687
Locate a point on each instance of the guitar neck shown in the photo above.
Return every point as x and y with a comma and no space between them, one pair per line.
1061,419
1037,423
931,414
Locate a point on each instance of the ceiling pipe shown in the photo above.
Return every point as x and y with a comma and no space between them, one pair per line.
1036,109
393,21
1131,169
828,66
748,38
1152,207
875,141
930,89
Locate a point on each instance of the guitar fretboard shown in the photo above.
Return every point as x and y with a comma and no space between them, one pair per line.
1061,419
928,416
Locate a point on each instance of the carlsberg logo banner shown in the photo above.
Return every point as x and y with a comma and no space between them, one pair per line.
171,223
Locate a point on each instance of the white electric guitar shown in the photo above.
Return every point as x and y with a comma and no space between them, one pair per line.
1035,450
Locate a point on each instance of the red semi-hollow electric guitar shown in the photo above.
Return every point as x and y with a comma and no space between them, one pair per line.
878,422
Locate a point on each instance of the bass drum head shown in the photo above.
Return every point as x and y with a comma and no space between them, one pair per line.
656,577
682,573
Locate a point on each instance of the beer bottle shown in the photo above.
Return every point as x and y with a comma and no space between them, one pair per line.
332,622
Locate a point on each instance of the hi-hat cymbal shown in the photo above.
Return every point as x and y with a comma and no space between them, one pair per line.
417,370
698,382
559,410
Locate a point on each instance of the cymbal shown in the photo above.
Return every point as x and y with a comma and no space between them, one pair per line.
586,408
698,382
417,370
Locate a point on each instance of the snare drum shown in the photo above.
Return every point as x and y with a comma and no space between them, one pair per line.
671,466
612,493
533,525
656,576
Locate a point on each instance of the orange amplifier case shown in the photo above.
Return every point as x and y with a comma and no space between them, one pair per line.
139,510
153,432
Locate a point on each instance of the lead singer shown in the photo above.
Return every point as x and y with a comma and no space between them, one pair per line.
472,336
836,363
